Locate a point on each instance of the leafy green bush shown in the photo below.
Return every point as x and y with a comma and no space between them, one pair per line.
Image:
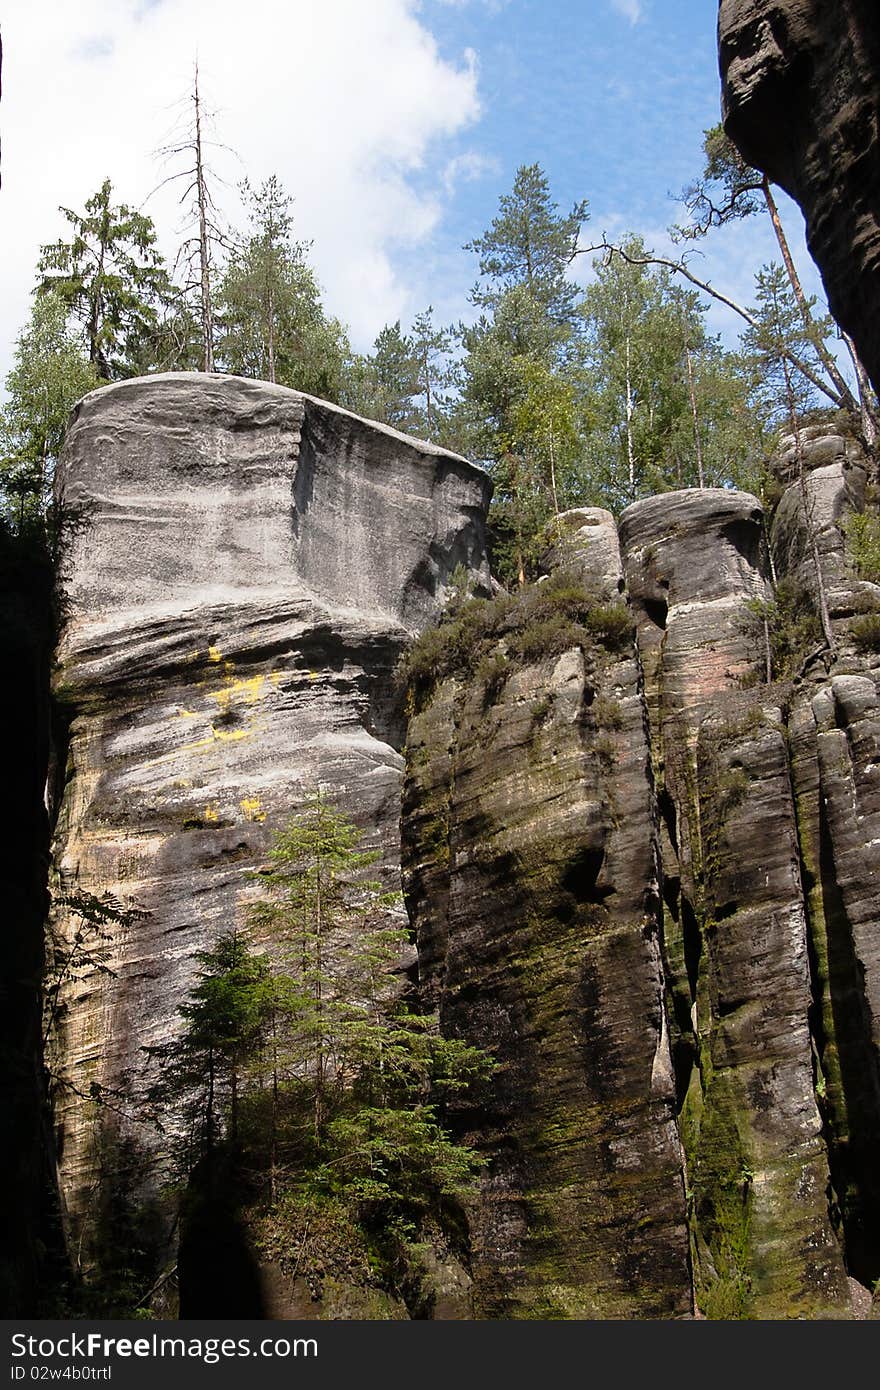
865,632
542,620
862,531
793,627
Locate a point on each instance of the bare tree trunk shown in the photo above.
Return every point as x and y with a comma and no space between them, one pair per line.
204,246
828,361
869,418
630,449
698,443
806,503
271,335
553,485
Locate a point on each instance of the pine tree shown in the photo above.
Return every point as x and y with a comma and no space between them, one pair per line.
786,394
111,278
530,244
431,347
730,190
224,1021
527,333
392,379
273,325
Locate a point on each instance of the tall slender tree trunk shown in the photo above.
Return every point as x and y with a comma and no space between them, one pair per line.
271,334
828,362
866,400
204,247
553,485
425,368
630,411
698,443
806,503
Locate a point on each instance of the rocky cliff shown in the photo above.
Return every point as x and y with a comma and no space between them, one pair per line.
644,874
531,871
640,814
242,567
801,99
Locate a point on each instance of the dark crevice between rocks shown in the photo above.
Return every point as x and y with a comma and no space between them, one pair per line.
218,1271
33,1267
656,610
851,1120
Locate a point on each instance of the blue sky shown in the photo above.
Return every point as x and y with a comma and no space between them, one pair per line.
395,124
613,109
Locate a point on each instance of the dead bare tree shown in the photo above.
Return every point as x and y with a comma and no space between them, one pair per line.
198,253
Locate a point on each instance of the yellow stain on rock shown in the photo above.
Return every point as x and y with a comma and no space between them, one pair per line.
252,808
230,735
247,691
186,713
216,736
215,654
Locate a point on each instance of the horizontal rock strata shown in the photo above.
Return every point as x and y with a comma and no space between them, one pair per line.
242,567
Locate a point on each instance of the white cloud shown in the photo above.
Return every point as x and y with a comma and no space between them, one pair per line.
467,168
630,9
351,104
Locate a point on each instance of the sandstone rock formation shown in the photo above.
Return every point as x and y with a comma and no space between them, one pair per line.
833,730
735,931
243,567
801,96
530,867
637,873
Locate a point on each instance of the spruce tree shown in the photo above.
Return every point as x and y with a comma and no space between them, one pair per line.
111,278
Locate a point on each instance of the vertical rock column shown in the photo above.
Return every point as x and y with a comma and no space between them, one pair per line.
735,926
242,567
834,740
530,872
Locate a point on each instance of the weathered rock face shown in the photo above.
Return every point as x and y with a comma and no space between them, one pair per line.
735,930
638,875
530,869
243,565
801,96
834,485
833,725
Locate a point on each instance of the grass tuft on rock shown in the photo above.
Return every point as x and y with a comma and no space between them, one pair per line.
488,638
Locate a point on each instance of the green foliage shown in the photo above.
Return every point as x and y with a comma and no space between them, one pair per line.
781,390
272,323
530,244
865,632
728,189
608,714
310,1066
111,279
862,531
487,638
93,926
670,406
224,1021
792,627
50,375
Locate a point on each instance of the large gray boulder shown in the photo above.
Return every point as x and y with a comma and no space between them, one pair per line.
241,567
